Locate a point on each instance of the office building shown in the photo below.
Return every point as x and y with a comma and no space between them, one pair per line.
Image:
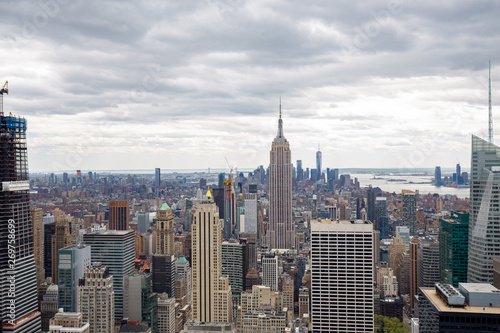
15,224
66,322
280,233
49,306
232,265
96,299
115,249
413,271
164,274
428,262
252,279
184,271
300,171
287,292
342,296
165,230
211,292
157,177
454,248
270,274
61,239
118,215
484,234
37,224
250,213
143,223
437,176
264,321
73,260
49,230
138,287
166,314
496,272
471,308
318,164
409,216
370,205
382,221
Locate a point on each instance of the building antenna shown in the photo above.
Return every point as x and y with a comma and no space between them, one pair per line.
490,128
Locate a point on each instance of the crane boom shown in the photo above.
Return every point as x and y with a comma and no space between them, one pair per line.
4,90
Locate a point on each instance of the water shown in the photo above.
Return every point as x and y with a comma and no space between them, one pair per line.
383,182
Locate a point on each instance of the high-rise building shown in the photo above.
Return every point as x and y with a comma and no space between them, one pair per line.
166,314
118,215
73,260
96,299
409,216
342,252
164,274
143,222
382,221
184,270
454,248
484,234
496,272
61,238
459,175
370,205
437,176
37,223
211,292
157,177
232,265
413,271
49,230
138,287
428,262
250,213
165,230
318,164
115,249
49,306
270,274
17,261
280,233
300,171
287,290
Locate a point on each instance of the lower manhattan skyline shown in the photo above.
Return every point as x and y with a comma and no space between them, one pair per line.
205,80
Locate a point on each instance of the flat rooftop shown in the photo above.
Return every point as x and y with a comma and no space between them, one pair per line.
479,287
441,306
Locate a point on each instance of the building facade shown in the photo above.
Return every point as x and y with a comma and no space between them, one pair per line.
118,215
454,248
73,260
165,230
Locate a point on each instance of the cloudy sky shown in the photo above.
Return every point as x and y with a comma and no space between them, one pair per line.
183,84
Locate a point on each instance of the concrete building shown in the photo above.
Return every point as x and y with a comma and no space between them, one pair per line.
118,215
454,248
194,326
211,292
96,299
115,249
409,215
280,233
342,252
166,314
73,260
37,223
250,213
232,265
165,230
428,262
446,309
184,270
163,266
496,272
287,291
68,322
264,321
61,239
270,273
138,287
49,306
413,271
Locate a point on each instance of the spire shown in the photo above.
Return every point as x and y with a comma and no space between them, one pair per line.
280,124
209,194
490,120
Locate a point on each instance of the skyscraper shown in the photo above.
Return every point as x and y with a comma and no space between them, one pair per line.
270,273
318,164
382,221
370,206
118,215
428,262
232,265
157,177
211,292
115,249
73,260
484,234
165,230
300,171
338,304
164,274
280,234
16,232
437,176
250,213
453,248
409,218
96,299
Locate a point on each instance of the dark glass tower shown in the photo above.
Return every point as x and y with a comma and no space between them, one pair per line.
18,294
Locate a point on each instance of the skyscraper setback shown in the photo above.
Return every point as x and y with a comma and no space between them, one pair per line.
16,232
280,234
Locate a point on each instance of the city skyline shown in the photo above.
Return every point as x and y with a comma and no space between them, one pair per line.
347,75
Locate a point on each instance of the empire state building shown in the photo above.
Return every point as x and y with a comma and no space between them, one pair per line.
280,233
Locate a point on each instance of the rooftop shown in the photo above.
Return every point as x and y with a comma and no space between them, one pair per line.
441,306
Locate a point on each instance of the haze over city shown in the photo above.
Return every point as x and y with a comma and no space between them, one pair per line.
113,85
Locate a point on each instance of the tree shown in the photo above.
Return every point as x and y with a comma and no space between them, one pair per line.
385,324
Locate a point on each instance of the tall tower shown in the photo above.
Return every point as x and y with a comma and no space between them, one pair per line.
337,304
165,230
211,292
157,177
318,163
409,215
490,119
16,232
484,218
118,215
280,234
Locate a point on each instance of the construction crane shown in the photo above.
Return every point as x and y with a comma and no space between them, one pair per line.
4,90
229,182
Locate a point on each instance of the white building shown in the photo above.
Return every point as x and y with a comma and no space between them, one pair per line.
270,271
166,314
342,276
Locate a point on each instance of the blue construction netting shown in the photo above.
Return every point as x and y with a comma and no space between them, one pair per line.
16,123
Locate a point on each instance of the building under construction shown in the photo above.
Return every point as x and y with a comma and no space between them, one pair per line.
18,293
